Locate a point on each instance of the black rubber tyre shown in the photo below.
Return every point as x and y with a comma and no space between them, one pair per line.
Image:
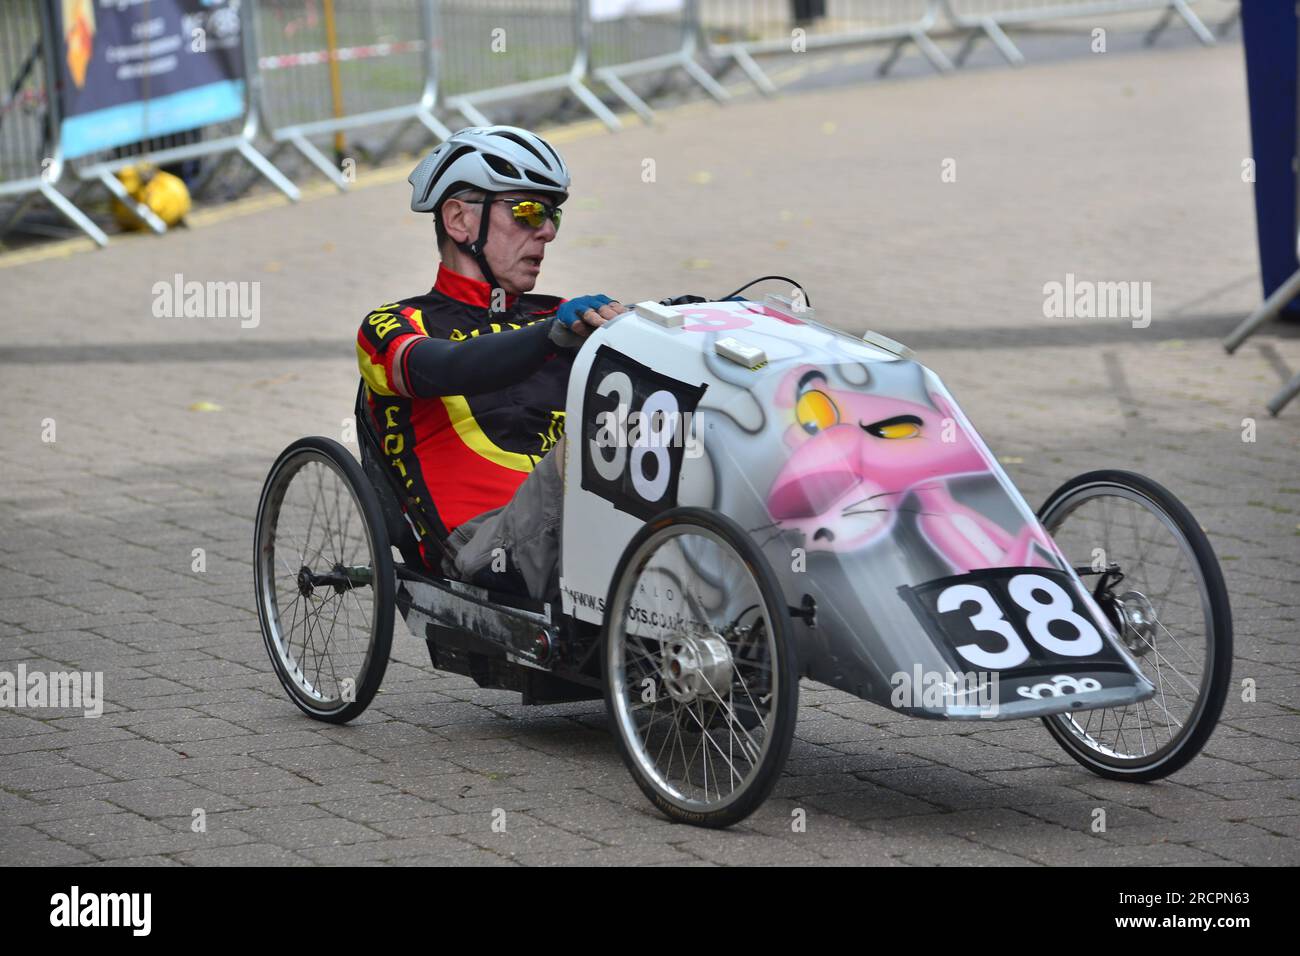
752,658
328,640
1210,617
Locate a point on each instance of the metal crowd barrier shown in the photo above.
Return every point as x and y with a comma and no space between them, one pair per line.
30,160
315,68
495,51
326,67
986,18
740,30
233,138
627,40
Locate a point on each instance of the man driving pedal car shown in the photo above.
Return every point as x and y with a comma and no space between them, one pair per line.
466,384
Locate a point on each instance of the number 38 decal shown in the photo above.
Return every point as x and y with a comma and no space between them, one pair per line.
634,429
998,619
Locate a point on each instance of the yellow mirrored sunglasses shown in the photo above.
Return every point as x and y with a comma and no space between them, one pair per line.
528,212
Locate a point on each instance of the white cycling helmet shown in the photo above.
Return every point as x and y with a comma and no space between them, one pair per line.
491,158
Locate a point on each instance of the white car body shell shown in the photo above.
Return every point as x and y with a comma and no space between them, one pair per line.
794,468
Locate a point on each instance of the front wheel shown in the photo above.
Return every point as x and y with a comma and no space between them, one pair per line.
700,676
1155,576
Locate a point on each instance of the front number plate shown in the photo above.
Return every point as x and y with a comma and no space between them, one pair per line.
1030,626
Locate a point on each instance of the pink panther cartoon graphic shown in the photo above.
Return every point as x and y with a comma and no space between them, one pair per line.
860,459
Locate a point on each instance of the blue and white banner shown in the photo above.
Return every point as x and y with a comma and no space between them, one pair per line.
132,70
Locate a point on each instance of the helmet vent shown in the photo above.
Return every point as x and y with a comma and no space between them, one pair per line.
541,179
516,138
443,167
501,166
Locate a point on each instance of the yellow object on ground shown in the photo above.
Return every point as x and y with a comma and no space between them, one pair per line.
166,195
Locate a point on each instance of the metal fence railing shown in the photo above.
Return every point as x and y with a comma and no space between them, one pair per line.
326,68
30,160
316,69
495,51
740,30
987,18
218,141
633,38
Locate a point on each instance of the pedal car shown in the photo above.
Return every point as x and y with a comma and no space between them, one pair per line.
751,498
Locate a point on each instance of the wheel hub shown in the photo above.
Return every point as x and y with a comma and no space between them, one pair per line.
692,664
1137,620
306,585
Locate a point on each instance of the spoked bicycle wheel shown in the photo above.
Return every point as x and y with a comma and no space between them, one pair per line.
1157,579
324,579
699,668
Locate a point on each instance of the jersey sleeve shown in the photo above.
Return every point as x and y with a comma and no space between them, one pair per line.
474,365
383,341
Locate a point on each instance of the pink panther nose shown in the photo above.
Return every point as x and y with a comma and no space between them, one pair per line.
809,494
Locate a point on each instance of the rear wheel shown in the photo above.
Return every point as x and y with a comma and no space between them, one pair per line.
701,682
1157,579
324,580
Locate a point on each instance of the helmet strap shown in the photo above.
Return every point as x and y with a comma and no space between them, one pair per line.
478,248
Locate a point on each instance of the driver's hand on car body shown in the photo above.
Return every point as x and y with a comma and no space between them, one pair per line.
585,314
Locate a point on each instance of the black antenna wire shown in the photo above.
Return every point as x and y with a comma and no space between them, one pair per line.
806,300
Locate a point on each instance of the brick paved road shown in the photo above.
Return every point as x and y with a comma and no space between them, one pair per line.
1115,167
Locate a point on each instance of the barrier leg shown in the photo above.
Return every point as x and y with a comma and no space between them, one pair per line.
425,119
139,210
894,53
245,182
468,110
1194,22
1289,391
319,160
1267,310
936,57
1154,33
625,93
1010,52
752,70
931,51
209,174
593,103
263,166
73,214
433,125
702,76
967,45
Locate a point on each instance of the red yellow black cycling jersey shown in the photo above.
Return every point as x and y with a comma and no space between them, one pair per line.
465,402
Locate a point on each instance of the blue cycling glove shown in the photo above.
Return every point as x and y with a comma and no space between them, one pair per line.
568,314
572,310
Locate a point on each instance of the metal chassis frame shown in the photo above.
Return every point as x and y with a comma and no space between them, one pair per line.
498,629
460,603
